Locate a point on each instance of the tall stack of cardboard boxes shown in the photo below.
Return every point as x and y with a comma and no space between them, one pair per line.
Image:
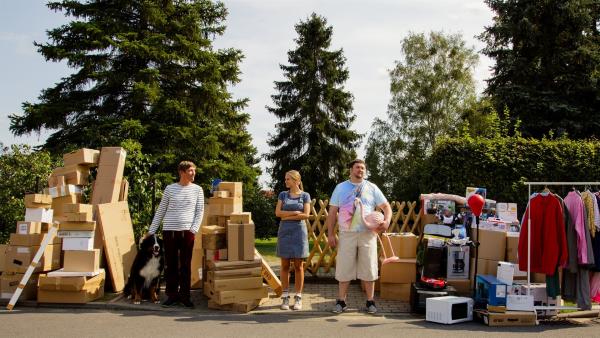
396,278
25,243
80,280
233,274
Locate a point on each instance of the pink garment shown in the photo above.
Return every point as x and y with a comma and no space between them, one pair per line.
595,286
574,205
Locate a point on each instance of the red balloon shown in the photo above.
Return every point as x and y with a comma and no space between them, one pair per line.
476,203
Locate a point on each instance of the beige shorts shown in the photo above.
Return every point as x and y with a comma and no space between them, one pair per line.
356,256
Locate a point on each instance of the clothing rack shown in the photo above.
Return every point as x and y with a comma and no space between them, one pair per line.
529,184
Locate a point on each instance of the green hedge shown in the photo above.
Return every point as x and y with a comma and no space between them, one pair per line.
502,165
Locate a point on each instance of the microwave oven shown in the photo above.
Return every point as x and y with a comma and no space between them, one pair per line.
449,309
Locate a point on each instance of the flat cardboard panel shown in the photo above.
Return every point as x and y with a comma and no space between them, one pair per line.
404,244
237,273
114,223
25,228
196,267
107,186
30,240
18,258
234,296
81,261
492,244
83,156
228,265
91,290
269,276
240,242
235,283
395,291
404,271
77,226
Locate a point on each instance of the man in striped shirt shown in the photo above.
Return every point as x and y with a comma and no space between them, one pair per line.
180,212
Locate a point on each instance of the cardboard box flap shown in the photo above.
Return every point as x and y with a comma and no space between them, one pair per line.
227,265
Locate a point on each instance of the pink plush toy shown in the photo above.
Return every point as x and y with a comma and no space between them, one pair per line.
373,221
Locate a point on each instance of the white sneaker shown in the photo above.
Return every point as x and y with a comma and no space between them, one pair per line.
285,303
297,303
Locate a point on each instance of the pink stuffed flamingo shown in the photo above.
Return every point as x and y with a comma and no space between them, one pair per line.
373,221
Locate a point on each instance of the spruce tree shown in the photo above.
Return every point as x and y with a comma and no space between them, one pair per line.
547,70
314,111
146,71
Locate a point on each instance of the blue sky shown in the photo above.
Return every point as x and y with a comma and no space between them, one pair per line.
369,32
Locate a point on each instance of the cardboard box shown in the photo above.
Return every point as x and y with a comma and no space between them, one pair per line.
75,234
77,226
243,307
404,244
38,201
213,237
241,218
196,267
80,217
237,273
484,267
38,215
64,190
234,188
92,289
235,296
224,206
404,271
18,258
228,265
506,272
78,208
229,284
107,187
492,244
30,240
395,291
73,174
3,248
512,247
508,318
240,242
463,287
458,259
58,203
56,283
84,156
216,255
10,282
221,194
81,261
78,243
25,228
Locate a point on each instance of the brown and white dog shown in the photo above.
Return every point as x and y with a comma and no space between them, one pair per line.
144,278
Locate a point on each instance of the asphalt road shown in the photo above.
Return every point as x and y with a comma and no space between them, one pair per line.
48,322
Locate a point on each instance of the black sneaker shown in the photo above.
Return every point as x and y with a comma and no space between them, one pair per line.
340,306
170,302
371,308
187,303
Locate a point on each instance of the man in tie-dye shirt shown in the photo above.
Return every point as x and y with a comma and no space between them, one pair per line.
357,246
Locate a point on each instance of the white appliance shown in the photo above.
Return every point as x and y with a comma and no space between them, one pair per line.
449,309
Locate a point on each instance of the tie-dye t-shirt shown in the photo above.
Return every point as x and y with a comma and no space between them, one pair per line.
343,197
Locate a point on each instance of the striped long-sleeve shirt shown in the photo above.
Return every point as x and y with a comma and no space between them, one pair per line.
180,209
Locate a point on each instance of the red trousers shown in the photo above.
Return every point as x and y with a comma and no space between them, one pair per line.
178,260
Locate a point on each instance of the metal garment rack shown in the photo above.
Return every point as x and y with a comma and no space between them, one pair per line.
529,184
